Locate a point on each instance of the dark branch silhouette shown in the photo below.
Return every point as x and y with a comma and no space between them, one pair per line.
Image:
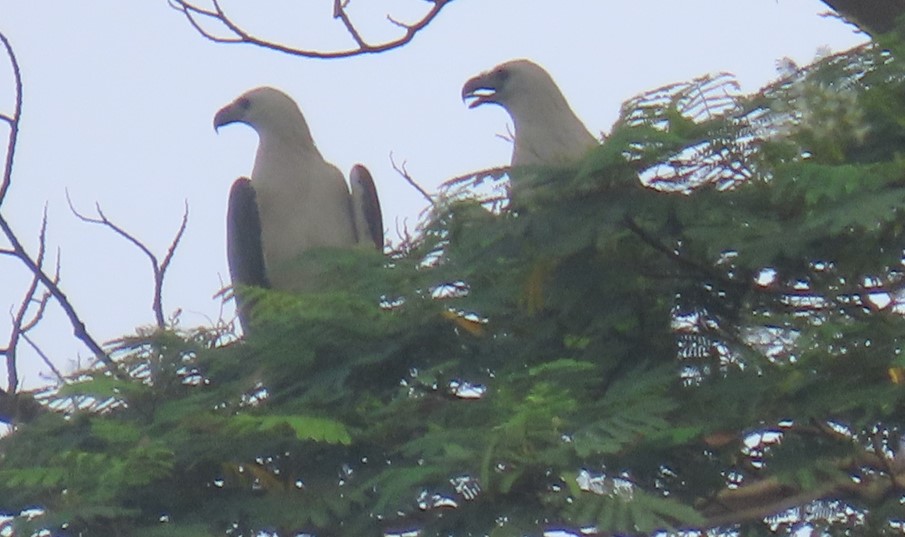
78,326
159,267
866,476
44,358
11,120
22,325
401,170
233,32
872,16
43,286
30,311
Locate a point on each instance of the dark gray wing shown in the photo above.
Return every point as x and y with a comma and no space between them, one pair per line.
366,207
244,250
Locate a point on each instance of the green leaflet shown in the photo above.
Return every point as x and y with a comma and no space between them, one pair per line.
304,427
722,269
632,511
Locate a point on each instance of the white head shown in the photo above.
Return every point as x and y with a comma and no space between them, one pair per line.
507,84
547,131
268,111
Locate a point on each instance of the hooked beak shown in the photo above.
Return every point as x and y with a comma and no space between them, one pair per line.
226,115
480,89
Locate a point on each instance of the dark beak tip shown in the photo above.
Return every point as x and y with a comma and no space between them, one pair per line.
478,91
470,87
224,116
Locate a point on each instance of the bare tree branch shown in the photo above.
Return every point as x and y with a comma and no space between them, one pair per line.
78,326
16,249
159,268
197,16
11,120
158,276
42,302
46,359
877,477
408,178
339,12
19,324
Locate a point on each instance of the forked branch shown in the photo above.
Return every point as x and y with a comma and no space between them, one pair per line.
159,267
16,249
30,312
201,18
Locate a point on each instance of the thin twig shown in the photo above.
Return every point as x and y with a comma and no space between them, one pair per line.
191,11
236,34
405,175
78,326
39,311
11,120
19,325
406,241
339,12
103,220
43,301
46,359
159,268
160,273
16,247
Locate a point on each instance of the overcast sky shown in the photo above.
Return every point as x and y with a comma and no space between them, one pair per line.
120,97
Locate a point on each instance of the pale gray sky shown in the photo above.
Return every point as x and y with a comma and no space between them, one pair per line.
120,96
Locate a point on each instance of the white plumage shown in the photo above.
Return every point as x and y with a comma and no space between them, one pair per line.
547,131
295,200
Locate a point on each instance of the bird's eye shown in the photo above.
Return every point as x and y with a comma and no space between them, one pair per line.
244,103
503,74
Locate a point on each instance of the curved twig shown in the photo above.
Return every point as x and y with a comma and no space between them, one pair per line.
339,12
16,249
21,326
46,359
159,268
401,170
165,264
195,16
11,120
78,326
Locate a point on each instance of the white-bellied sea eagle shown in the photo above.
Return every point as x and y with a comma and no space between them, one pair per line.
547,131
294,201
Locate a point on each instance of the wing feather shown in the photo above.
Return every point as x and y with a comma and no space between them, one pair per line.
244,250
366,211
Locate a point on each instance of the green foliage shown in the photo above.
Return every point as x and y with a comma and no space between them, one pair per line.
304,427
627,510
635,408
692,327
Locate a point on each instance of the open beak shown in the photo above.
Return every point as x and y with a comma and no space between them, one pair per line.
480,90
